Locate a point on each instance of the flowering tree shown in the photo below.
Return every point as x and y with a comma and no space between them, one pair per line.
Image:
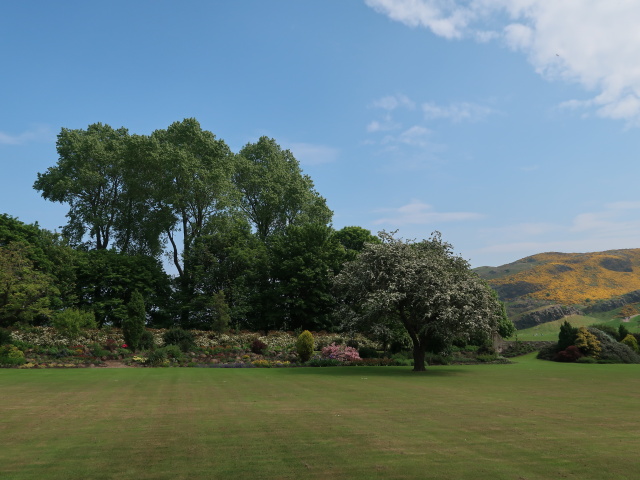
423,286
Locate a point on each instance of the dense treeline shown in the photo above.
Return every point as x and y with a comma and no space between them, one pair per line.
249,236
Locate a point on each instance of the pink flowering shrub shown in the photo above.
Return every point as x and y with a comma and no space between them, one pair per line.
340,352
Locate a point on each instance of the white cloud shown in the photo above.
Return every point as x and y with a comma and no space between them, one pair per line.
456,112
614,226
310,154
37,134
592,43
420,213
391,102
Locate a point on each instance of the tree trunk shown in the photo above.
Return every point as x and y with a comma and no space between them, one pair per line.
418,359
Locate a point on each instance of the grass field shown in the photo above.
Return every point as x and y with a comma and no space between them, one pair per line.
526,421
549,331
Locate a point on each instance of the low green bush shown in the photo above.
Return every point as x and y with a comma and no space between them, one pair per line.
608,329
11,355
367,352
147,341
157,358
182,338
323,362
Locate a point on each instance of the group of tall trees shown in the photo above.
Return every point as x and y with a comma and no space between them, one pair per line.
249,236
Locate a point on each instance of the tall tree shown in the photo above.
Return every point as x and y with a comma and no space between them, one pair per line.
89,177
191,182
424,287
273,190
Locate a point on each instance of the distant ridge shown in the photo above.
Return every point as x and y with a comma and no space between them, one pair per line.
586,281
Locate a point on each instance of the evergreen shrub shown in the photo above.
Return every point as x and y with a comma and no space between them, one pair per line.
182,338
147,341
304,345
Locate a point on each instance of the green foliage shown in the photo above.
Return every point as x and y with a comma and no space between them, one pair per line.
274,193
5,337
25,292
608,329
11,355
71,321
367,352
322,362
182,338
157,358
107,279
174,352
133,326
631,342
304,345
147,341
587,343
567,336
613,351
623,332
353,240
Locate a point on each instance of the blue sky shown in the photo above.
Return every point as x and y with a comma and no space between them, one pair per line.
511,126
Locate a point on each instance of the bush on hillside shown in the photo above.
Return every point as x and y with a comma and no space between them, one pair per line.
588,343
631,342
182,338
304,345
570,354
567,335
612,351
608,329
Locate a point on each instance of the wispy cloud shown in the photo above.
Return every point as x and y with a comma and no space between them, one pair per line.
37,134
615,225
419,213
312,154
456,112
590,43
392,102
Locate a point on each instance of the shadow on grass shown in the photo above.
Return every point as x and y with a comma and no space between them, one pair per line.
439,371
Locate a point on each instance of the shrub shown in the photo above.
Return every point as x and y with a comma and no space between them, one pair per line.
548,352
567,336
157,358
437,359
182,338
368,352
631,342
304,345
323,362
570,354
5,337
133,324
622,333
614,352
11,355
258,346
608,329
72,321
588,343
340,352
147,341
174,352
586,360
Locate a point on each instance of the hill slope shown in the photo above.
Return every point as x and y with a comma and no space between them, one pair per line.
534,287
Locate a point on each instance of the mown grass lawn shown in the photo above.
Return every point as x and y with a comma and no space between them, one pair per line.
531,420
